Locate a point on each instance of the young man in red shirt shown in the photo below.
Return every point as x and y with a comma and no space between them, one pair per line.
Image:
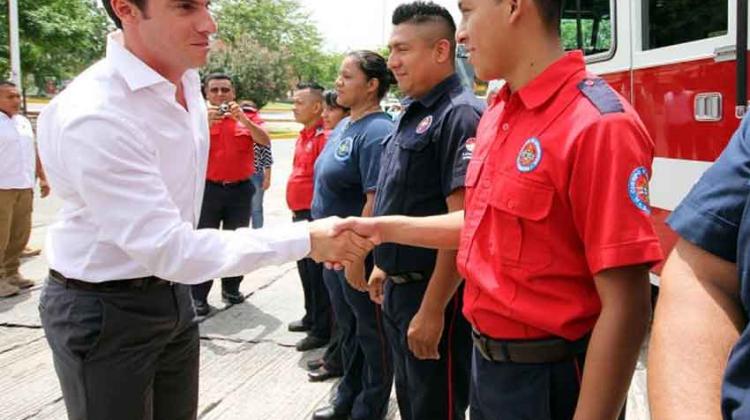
555,241
308,111
229,191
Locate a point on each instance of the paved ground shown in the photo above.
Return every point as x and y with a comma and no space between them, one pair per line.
249,368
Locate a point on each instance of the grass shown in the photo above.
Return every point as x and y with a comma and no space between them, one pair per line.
277,107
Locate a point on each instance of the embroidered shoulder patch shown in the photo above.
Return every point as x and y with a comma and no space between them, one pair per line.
344,149
638,189
601,95
529,156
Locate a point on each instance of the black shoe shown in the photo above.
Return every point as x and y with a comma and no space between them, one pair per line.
298,326
201,307
315,364
232,297
329,413
323,374
311,342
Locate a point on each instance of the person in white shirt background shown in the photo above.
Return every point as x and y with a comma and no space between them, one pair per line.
19,171
125,147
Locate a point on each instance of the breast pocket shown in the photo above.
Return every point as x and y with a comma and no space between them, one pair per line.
416,161
523,207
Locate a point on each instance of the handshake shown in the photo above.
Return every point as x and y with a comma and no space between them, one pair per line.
344,244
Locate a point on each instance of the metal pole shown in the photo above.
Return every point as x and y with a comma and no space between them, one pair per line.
741,107
15,50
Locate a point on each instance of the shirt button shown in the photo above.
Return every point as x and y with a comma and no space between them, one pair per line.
506,126
589,82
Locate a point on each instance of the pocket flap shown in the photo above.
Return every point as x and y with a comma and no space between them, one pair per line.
522,198
415,143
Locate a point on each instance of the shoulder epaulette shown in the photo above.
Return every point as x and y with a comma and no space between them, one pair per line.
601,95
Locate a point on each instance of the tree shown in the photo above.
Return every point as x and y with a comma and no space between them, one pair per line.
59,38
258,73
282,26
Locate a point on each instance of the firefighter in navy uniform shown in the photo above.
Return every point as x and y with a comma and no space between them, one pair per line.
422,173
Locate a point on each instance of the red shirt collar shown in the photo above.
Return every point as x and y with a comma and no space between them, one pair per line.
546,85
310,132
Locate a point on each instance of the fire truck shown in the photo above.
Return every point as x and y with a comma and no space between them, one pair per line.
677,62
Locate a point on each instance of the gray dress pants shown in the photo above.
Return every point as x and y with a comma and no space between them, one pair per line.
124,355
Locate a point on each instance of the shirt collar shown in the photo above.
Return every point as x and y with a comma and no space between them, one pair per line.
436,92
546,85
137,74
311,131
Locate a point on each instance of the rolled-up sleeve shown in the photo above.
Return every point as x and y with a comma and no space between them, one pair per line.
118,179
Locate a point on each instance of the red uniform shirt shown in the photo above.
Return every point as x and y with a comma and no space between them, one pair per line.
556,191
299,188
231,156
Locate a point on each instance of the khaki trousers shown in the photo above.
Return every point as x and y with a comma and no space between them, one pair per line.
15,227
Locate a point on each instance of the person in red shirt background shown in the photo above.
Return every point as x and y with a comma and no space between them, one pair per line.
226,201
308,110
555,241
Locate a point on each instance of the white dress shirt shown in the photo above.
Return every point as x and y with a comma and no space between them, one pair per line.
130,164
17,153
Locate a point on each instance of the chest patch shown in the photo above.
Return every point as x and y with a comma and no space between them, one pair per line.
530,155
424,125
344,149
638,189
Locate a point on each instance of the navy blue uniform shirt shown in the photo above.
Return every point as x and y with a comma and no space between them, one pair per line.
347,168
715,216
424,161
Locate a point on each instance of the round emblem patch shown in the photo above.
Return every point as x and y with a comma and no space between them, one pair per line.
344,149
638,189
424,125
471,144
529,156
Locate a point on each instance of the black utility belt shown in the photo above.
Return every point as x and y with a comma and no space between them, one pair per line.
141,283
547,350
227,183
410,277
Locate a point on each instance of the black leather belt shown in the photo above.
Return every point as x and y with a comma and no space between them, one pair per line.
108,286
549,350
411,277
227,183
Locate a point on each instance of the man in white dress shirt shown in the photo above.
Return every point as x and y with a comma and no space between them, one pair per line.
126,147
19,170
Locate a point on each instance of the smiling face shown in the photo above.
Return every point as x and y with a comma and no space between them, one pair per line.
169,35
353,86
488,36
219,91
417,53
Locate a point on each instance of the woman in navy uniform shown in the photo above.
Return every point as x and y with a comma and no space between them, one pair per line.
346,175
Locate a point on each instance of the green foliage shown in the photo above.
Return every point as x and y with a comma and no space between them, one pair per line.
59,38
603,35
258,73
281,26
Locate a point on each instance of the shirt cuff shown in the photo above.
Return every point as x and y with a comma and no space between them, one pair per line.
705,230
296,240
647,252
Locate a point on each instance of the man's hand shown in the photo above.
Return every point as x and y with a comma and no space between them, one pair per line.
424,333
375,285
345,248
214,115
366,227
44,188
236,112
266,180
355,275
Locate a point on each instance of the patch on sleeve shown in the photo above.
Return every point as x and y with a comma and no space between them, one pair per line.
638,189
601,95
469,146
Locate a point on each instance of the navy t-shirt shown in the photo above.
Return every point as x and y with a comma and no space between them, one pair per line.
715,216
348,166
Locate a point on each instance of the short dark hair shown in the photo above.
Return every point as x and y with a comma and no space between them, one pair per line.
330,97
140,4
7,83
551,12
425,12
374,66
216,76
310,85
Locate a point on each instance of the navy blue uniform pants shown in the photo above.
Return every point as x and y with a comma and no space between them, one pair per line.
317,304
428,389
510,391
227,207
365,388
